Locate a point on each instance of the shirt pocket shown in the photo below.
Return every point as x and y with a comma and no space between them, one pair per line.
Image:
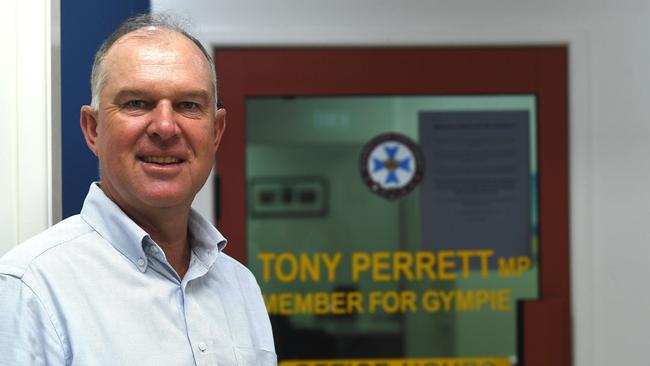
255,357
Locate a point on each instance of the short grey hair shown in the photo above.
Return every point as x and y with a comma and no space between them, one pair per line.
156,20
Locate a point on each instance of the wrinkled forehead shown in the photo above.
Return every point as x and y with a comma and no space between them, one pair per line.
137,48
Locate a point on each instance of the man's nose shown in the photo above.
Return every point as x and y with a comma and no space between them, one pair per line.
163,123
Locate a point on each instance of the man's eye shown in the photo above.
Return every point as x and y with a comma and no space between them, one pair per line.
188,106
136,104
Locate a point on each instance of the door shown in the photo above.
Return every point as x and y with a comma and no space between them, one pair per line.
401,206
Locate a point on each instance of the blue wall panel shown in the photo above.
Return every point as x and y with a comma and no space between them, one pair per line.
84,25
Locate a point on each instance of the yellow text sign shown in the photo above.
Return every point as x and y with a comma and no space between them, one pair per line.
389,302
403,362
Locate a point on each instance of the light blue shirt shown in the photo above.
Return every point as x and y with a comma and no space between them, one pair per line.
95,289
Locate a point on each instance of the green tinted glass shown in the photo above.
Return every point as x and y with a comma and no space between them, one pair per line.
435,273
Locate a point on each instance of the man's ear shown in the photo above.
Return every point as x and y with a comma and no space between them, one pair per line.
88,123
219,126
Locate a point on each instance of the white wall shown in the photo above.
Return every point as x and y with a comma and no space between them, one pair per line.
29,102
609,46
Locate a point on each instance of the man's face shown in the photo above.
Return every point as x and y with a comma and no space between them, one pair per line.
156,131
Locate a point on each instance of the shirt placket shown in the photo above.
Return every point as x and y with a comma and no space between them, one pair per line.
208,348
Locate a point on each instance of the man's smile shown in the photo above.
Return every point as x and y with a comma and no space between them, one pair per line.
160,159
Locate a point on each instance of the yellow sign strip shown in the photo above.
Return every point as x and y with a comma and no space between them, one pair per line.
403,362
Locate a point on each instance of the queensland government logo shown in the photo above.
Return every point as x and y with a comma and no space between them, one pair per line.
391,165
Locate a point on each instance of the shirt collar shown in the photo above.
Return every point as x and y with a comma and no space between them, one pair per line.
206,241
112,224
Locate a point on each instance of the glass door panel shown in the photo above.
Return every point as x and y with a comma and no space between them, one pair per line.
434,274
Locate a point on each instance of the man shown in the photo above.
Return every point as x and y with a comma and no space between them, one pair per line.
138,278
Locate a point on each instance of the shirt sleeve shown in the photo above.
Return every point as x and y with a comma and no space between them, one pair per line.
27,334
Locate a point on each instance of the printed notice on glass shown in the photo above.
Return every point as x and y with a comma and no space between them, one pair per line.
476,192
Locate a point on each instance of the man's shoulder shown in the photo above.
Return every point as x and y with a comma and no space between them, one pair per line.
237,267
19,259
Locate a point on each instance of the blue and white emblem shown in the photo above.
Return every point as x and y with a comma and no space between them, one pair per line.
391,165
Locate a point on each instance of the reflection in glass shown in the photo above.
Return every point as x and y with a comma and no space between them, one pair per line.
347,274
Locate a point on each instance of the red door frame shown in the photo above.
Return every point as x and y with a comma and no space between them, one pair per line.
545,324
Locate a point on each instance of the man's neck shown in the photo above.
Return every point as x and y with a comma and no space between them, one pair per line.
173,239
167,226
169,229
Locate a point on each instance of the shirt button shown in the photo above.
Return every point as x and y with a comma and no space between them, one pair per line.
140,262
202,346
